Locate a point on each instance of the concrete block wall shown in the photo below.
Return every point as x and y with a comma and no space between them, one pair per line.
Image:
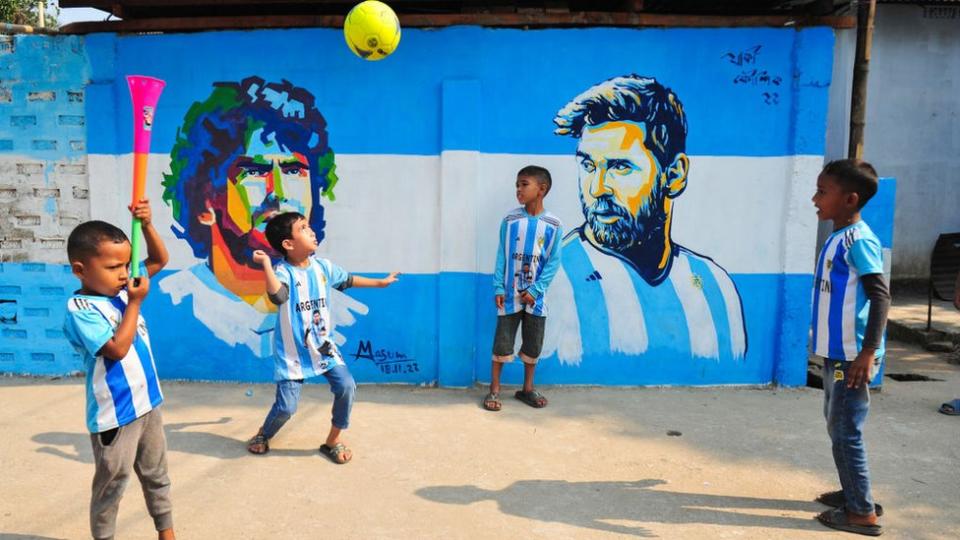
44,187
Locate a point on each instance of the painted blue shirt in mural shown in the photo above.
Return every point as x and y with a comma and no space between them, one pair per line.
303,346
608,308
118,390
840,304
528,256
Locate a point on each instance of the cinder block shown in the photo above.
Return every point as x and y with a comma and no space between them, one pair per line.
7,357
29,168
69,221
11,244
7,44
8,193
14,333
9,290
42,357
51,291
54,333
43,145
75,97
72,168
6,145
28,221
69,120
53,243
80,193
48,95
6,95
33,267
8,311
46,192
23,120
78,146
35,311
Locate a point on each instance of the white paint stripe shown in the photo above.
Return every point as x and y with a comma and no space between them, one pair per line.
137,381
703,331
822,347
849,322
628,332
106,412
286,333
731,301
562,332
402,190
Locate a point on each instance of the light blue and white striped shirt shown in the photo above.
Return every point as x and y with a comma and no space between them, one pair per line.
302,339
840,304
694,312
118,390
528,256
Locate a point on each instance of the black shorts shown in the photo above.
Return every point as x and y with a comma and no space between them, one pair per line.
531,332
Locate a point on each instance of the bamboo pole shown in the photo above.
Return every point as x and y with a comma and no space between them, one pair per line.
866,10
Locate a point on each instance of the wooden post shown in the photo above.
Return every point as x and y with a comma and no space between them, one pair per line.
866,9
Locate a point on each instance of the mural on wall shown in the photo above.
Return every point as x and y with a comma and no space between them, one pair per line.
250,150
626,286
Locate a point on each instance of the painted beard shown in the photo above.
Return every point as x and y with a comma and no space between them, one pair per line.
619,235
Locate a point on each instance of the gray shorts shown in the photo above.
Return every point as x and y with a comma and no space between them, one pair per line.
531,332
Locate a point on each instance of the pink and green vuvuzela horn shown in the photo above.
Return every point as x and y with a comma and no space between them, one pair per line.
144,92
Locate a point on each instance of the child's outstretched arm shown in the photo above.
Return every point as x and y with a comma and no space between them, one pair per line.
122,339
157,256
360,281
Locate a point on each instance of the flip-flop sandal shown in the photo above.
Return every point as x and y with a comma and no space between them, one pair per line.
335,452
492,402
837,519
261,440
532,398
836,500
951,408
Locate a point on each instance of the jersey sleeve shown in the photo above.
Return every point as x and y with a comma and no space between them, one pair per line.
339,278
866,256
87,328
498,269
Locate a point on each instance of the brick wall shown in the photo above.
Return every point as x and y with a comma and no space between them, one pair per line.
43,166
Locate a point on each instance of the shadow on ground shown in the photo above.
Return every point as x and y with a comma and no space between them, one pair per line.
601,505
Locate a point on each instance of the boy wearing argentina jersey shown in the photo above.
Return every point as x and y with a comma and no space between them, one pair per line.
104,325
300,286
850,303
528,256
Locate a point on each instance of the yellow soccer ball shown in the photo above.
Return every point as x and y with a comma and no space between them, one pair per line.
372,30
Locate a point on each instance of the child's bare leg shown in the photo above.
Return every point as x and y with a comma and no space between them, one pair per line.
495,371
166,534
528,370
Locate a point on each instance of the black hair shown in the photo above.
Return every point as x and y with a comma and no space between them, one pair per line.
280,228
540,174
85,239
854,176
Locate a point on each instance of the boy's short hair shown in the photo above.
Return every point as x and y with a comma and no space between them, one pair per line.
538,173
280,228
84,240
854,176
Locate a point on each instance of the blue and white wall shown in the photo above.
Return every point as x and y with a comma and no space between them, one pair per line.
427,144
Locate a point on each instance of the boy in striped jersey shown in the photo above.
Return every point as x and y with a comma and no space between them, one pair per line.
850,303
104,324
527,259
300,286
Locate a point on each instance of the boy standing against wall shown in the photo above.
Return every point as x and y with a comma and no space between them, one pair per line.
528,256
123,392
850,303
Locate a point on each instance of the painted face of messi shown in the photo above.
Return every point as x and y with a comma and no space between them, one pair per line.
262,182
625,194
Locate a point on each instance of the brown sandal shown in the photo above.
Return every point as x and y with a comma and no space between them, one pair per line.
336,453
492,402
258,441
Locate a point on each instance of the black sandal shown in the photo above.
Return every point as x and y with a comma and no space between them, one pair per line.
335,452
836,500
837,519
492,402
532,398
